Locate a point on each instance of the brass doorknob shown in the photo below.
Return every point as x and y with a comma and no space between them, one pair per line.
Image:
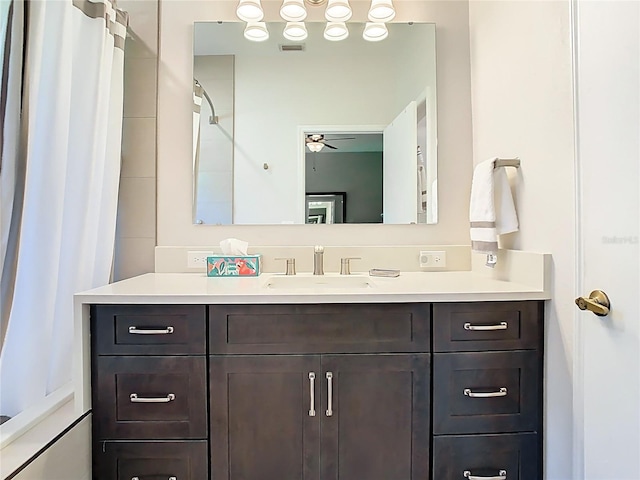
598,303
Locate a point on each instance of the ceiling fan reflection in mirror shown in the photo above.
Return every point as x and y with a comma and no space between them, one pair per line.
316,142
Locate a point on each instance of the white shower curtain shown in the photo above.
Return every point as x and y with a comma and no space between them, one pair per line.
11,39
72,111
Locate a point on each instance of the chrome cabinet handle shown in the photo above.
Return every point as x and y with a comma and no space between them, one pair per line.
142,331
329,394
170,478
502,475
312,408
136,399
484,328
500,393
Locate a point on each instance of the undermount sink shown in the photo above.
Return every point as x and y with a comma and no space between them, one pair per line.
319,281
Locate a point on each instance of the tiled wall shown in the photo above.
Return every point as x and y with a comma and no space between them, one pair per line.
136,226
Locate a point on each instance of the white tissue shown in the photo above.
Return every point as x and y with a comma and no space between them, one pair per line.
233,246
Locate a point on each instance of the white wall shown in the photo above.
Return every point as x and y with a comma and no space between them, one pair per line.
522,104
174,222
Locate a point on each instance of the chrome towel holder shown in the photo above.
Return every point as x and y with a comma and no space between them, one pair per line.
507,162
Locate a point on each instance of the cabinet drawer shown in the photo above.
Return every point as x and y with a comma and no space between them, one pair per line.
149,329
464,327
150,397
492,392
352,328
516,457
187,460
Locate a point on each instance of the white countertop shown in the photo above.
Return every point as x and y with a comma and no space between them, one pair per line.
197,288
193,288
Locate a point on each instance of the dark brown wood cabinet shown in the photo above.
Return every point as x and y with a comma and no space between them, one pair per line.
260,425
378,423
290,399
317,392
149,392
487,390
314,417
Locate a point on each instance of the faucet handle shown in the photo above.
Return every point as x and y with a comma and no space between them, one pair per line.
345,266
291,265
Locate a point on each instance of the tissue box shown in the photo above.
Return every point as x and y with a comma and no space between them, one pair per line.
233,266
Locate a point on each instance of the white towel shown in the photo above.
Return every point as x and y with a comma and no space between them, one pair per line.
491,211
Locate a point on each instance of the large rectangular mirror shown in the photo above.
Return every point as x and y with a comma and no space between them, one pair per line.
278,123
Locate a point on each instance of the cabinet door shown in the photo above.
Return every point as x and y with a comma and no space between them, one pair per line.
375,417
265,417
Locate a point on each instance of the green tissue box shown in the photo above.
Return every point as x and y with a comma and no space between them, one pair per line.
233,266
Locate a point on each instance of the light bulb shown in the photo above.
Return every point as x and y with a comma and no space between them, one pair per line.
336,31
381,11
295,31
374,32
250,10
315,146
338,11
256,32
293,10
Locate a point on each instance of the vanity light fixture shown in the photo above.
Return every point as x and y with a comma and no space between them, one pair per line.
374,32
293,10
315,146
338,11
381,11
336,31
295,31
250,10
256,31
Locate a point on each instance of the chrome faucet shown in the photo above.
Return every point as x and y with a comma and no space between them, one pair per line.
318,260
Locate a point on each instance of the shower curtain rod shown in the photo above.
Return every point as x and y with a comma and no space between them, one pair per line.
213,119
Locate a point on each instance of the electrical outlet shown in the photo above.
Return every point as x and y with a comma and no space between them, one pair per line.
198,258
433,259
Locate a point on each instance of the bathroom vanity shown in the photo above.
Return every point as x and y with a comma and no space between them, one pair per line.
196,378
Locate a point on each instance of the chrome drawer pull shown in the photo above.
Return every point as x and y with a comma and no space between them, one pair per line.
142,331
135,399
484,328
170,478
329,394
502,475
500,393
312,408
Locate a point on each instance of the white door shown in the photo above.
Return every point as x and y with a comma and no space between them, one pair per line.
400,168
607,397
